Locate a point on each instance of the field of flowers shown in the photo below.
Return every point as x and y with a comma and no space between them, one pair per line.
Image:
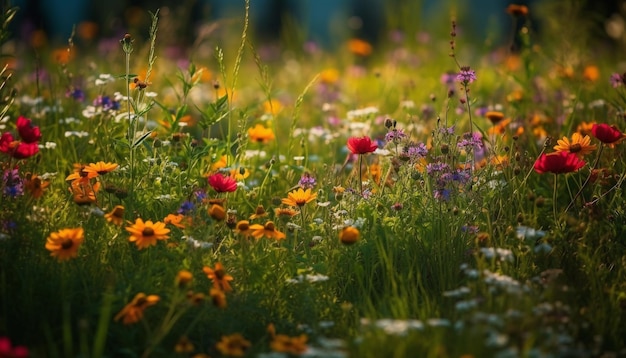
425,196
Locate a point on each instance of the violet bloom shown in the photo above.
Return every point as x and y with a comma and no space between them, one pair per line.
186,208
470,142
12,183
466,76
106,103
395,135
76,94
616,80
433,168
307,181
415,152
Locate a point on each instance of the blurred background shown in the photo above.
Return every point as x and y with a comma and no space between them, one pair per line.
326,23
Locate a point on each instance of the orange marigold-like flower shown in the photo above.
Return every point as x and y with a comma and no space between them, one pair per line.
349,235
35,185
243,228
133,311
517,10
178,220
146,234
285,344
359,47
219,277
64,244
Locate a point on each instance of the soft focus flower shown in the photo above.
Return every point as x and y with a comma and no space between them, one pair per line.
307,181
517,10
184,345
494,116
285,344
234,345
591,73
217,212
17,149
285,212
261,134
558,163
177,220
299,197
607,134
218,297
219,277
12,183
616,80
28,132
268,230
243,228
116,215
146,234
349,235
579,145
221,163
259,212
35,185
359,47
9,351
64,244
133,311
361,145
221,183
183,278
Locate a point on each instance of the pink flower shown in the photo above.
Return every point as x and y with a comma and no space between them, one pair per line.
607,134
17,149
361,145
558,163
222,183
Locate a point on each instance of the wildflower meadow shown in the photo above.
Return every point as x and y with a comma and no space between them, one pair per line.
430,194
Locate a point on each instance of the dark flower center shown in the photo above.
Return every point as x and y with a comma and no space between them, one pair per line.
148,232
219,274
575,148
67,244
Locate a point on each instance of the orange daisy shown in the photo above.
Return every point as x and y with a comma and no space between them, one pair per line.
146,234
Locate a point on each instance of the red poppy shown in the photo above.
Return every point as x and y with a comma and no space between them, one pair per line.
17,149
606,133
558,163
222,183
361,145
28,132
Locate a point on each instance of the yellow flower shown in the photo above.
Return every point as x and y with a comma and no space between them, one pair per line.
285,212
240,173
579,145
258,213
133,312
272,107
243,228
329,76
100,168
146,234
234,345
221,163
116,216
299,197
268,230
261,134
64,244
219,277
349,235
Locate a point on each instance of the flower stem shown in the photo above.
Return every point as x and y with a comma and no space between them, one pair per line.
360,178
595,165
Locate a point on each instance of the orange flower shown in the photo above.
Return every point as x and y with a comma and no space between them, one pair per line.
243,228
219,277
217,212
591,73
359,47
234,345
221,163
268,230
183,278
258,213
100,168
116,216
272,107
299,197
178,220
64,244
146,234
35,185
285,212
261,134
285,344
517,10
494,116
218,297
133,311
349,235
329,76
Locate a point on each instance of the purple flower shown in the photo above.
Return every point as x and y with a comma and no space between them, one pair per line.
395,135
470,141
448,78
75,93
441,194
186,207
307,181
106,103
449,130
466,76
12,183
616,80
433,168
415,152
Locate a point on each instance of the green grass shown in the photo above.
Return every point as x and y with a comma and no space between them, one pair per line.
456,256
